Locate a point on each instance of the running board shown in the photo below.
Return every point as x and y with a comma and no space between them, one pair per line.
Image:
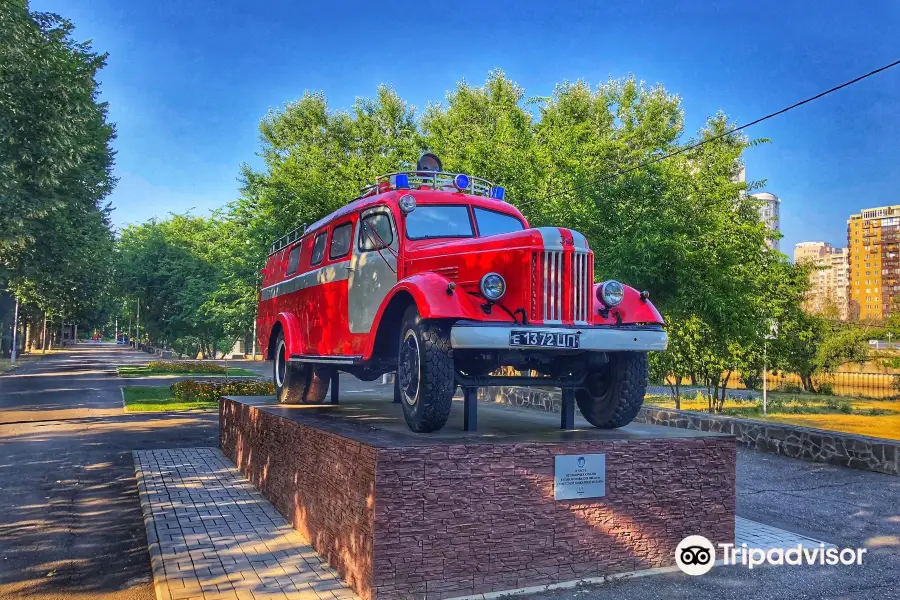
330,360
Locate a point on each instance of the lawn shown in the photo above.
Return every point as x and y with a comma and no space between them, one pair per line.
154,398
861,416
6,365
148,372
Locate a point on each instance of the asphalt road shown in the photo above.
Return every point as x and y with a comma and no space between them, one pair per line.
71,526
70,521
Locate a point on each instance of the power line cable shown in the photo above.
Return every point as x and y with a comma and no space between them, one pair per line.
727,133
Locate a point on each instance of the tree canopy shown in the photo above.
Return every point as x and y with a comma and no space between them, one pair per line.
55,166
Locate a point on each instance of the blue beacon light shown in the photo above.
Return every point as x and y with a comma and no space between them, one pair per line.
497,192
401,181
461,182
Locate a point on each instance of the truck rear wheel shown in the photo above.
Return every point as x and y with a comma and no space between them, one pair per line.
425,373
613,395
297,383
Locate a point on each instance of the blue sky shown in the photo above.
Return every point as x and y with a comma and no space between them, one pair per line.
188,81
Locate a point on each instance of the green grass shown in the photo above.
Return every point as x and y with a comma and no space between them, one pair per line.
147,372
158,398
862,416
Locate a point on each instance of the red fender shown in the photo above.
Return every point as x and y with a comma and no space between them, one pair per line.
290,324
429,292
632,309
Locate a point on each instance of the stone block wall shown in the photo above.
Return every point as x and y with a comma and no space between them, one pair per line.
818,445
324,484
420,517
806,443
469,519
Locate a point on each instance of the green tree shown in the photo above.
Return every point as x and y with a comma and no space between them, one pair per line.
488,132
167,267
55,166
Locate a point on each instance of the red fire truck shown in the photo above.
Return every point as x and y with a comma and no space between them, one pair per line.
434,276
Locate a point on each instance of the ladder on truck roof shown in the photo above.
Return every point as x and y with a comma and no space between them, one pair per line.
289,238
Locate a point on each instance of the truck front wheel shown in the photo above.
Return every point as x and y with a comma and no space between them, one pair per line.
425,373
613,395
297,383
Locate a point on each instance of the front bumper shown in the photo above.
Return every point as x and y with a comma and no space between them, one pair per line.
495,336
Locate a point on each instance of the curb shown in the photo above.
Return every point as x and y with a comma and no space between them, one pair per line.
160,582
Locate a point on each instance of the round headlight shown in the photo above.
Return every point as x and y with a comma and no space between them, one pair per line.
493,286
611,293
407,203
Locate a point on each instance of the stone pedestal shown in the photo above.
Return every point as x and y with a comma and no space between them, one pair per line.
448,514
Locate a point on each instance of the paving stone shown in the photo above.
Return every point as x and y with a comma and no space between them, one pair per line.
212,536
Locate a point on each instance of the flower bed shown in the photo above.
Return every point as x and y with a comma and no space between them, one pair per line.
185,366
210,391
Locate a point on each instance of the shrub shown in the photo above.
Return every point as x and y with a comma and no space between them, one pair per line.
789,387
841,405
192,390
186,366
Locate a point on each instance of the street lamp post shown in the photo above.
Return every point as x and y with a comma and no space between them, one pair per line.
12,356
256,315
765,412
770,335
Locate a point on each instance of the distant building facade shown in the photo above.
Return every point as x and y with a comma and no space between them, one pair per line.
829,283
874,262
770,214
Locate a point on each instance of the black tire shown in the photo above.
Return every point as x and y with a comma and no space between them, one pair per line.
425,375
398,398
297,383
613,395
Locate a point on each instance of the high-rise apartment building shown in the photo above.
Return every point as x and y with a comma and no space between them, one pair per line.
770,214
829,282
872,237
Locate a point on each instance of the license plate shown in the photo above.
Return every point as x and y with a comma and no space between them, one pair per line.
543,339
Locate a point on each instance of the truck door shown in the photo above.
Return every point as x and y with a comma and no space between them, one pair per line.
373,267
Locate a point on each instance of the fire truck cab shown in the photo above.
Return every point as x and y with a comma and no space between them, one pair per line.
434,276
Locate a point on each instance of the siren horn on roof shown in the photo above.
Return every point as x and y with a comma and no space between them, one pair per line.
429,162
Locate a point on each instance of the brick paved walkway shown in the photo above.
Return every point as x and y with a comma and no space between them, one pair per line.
213,536
766,537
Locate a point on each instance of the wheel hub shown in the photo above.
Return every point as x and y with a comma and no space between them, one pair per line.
408,367
280,365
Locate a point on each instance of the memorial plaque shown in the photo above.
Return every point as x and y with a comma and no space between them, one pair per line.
579,476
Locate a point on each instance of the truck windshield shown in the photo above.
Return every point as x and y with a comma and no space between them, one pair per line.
439,221
491,222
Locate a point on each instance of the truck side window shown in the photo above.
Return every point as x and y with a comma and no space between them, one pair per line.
293,260
318,252
376,233
491,222
340,241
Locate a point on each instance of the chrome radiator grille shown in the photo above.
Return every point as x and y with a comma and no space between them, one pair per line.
568,282
553,285
582,286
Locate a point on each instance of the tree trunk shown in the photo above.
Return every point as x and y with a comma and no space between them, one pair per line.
678,393
724,393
